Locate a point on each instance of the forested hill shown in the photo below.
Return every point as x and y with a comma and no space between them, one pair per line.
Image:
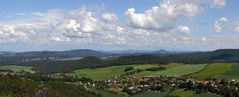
12,86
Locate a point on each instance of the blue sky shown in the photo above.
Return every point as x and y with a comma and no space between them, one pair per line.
27,25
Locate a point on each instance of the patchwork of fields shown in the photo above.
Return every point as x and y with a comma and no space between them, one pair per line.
107,72
197,71
173,69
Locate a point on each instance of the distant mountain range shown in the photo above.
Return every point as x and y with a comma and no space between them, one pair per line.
81,53
70,53
7,53
220,54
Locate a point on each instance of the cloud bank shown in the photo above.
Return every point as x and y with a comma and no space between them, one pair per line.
153,28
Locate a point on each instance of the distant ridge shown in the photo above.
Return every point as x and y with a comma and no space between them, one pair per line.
220,54
70,53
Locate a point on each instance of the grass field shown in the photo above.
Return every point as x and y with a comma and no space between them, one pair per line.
205,95
152,94
69,59
175,70
215,70
145,94
107,72
104,93
189,93
233,73
16,68
182,93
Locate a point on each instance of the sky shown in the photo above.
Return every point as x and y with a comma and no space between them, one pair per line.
30,25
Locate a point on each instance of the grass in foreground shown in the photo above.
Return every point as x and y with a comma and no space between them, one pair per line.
103,93
182,93
190,93
205,95
152,94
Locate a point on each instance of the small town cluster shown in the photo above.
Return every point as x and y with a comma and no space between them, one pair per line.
135,85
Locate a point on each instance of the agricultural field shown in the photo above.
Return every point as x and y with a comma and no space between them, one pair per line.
175,70
103,93
69,59
182,93
107,72
233,73
189,93
152,94
79,58
205,95
16,68
219,71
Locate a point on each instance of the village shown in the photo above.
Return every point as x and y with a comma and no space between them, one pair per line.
136,85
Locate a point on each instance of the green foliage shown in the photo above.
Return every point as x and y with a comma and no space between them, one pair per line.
12,86
128,68
60,89
17,87
155,68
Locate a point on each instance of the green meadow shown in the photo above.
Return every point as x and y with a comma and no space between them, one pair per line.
182,93
107,72
219,71
189,93
69,59
16,68
233,73
152,94
104,93
174,69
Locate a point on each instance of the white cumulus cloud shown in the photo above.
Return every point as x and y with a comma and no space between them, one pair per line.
218,25
162,17
184,29
109,17
218,3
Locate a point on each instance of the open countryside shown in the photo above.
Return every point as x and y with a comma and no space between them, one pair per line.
119,48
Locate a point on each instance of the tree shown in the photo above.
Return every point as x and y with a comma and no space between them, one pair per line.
129,68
